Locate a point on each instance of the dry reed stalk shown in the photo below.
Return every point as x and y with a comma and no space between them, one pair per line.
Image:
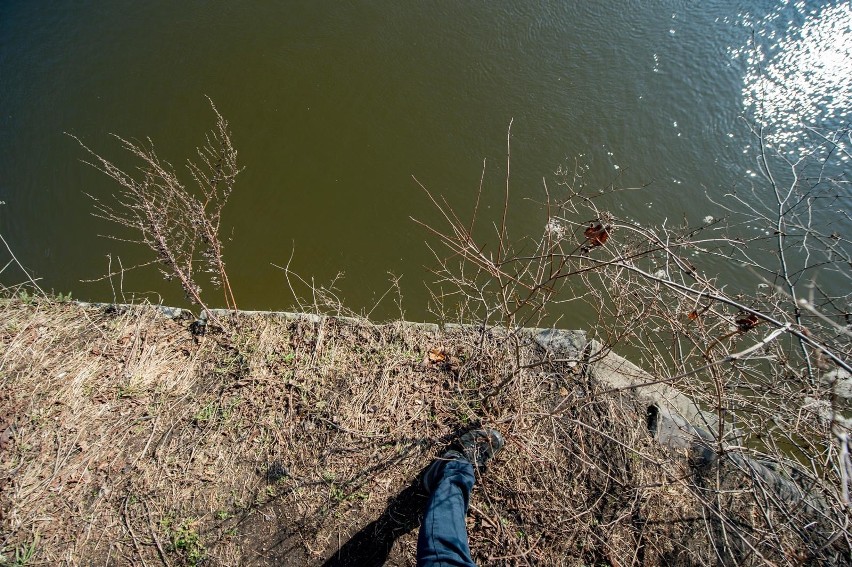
181,226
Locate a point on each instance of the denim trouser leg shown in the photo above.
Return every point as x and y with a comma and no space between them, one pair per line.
443,536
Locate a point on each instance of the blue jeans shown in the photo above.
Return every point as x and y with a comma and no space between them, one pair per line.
443,535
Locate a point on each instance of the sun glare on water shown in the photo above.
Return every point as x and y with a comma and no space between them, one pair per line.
798,72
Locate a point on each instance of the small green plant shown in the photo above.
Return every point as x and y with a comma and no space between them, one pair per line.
276,357
63,297
184,540
26,297
228,410
205,414
23,554
336,493
129,391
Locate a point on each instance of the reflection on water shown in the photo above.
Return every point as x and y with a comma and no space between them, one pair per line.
334,106
798,71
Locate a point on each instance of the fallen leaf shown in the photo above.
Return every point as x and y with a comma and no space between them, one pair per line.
596,235
439,357
747,323
436,355
693,315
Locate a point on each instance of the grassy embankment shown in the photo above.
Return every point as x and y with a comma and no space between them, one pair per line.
127,439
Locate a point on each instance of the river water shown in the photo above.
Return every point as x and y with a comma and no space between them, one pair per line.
334,106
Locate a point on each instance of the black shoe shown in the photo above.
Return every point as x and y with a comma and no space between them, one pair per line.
477,447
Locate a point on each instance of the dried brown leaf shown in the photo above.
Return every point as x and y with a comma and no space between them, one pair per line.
596,235
747,322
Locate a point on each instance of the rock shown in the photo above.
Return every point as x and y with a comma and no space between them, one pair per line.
840,381
561,344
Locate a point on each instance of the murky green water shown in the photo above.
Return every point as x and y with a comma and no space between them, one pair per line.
335,105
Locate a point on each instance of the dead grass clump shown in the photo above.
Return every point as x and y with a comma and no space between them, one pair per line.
89,390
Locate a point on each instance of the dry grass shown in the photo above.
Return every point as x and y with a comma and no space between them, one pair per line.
132,441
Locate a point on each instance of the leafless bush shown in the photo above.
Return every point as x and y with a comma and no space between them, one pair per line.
769,362
179,225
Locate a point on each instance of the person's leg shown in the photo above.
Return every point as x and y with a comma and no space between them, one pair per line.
443,535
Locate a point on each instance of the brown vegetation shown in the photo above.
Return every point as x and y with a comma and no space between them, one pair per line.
131,438
132,441
178,224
